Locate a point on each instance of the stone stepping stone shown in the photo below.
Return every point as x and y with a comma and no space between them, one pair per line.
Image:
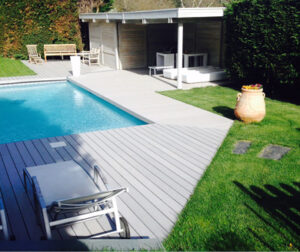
241,147
275,152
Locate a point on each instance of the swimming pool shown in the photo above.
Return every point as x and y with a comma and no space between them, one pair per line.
34,111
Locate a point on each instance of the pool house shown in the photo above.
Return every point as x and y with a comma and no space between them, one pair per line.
142,39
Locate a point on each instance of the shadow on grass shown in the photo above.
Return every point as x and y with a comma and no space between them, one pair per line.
225,111
296,184
280,203
227,241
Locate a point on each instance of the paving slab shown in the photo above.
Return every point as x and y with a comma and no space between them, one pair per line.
275,152
241,147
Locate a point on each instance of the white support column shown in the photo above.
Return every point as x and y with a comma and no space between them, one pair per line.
179,54
116,45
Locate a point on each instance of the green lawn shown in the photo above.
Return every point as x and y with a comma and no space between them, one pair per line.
10,67
244,202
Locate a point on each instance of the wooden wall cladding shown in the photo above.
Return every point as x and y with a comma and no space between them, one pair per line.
132,45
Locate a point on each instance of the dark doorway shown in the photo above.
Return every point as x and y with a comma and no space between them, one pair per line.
84,29
161,38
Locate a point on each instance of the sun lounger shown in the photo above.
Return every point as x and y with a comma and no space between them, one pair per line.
33,55
3,222
65,187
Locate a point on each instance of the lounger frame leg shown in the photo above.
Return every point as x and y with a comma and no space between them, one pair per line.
116,215
41,208
3,225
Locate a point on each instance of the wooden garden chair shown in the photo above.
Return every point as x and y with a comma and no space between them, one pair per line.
33,55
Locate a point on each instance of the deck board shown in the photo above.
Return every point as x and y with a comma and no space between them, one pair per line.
32,228
162,152
15,218
180,147
160,164
139,201
162,180
135,177
170,170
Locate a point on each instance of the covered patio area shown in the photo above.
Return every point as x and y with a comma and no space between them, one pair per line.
166,38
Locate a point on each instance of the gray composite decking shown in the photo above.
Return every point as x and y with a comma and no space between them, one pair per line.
160,164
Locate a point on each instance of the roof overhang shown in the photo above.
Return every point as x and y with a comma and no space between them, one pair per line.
168,15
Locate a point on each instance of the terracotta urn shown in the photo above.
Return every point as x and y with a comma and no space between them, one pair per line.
250,106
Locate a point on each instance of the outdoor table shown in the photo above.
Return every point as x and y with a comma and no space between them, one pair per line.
160,68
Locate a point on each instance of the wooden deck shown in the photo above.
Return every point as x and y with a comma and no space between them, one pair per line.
161,165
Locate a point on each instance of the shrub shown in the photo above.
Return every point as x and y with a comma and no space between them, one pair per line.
262,43
19,56
37,22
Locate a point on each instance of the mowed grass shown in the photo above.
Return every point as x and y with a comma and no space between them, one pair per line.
244,202
11,67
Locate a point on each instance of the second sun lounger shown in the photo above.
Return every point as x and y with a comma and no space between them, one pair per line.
65,187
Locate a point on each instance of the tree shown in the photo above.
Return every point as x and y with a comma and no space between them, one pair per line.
86,6
199,3
136,5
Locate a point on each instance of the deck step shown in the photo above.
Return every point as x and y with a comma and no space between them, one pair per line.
83,245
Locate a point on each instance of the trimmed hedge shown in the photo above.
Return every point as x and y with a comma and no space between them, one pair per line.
262,43
39,22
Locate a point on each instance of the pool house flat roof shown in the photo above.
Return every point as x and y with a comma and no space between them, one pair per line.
151,15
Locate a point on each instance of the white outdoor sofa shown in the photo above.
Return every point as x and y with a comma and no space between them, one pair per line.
65,187
196,74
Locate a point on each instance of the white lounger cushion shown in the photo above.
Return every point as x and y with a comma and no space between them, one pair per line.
172,73
203,75
197,74
63,180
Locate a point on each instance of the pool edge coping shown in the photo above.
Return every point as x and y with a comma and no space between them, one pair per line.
146,120
33,80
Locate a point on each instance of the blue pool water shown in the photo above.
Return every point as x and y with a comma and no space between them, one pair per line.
55,109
